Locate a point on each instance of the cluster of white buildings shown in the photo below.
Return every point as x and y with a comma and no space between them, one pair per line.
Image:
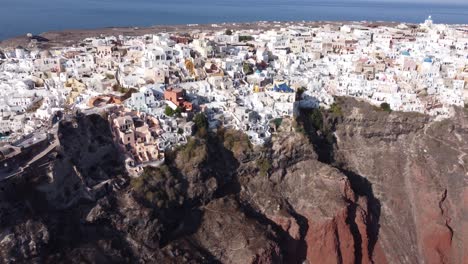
242,79
144,137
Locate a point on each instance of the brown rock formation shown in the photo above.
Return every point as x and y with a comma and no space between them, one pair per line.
313,203
367,186
232,237
417,170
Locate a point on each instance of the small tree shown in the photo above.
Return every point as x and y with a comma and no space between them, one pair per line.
228,32
299,92
277,122
178,111
201,124
264,166
245,38
316,119
157,187
385,107
247,68
169,111
336,109
200,121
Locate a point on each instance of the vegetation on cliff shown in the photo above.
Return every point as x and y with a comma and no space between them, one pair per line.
301,197
385,107
246,38
158,187
264,166
201,124
236,142
192,154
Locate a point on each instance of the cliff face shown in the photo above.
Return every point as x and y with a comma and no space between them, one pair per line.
318,215
417,171
41,211
367,187
80,206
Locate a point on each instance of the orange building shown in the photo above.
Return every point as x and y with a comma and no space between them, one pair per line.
177,96
102,100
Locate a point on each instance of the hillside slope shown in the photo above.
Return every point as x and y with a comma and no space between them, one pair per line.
360,186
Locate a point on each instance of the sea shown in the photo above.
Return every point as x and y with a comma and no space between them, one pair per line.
19,17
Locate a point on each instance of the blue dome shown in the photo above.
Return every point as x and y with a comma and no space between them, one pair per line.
405,53
428,60
283,88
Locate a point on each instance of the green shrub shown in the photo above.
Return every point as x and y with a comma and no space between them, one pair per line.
335,109
299,92
277,122
178,111
192,154
316,119
246,38
385,107
200,121
237,142
247,68
169,111
158,187
228,32
264,166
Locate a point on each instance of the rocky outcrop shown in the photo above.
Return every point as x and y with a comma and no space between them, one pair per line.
232,237
384,177
23,241
82,207
364,186
321,218
87,164
416,168
41,211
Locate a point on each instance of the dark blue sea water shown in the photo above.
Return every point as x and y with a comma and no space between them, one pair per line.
19,17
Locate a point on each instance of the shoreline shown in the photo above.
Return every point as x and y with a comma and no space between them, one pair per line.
69,37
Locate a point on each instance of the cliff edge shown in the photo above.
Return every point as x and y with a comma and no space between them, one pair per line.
354,184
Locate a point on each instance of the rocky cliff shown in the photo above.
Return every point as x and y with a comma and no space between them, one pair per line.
418,176
354,184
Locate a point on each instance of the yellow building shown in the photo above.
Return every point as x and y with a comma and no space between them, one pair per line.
256,89
76,88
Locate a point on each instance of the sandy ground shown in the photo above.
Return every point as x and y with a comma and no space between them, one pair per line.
72,37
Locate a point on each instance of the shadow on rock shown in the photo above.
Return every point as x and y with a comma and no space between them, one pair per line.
363,187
